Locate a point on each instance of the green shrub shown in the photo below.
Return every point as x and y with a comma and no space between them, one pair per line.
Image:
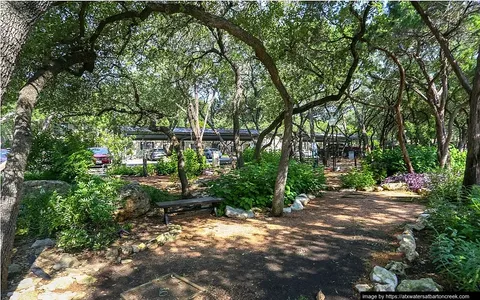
158,195
358,179
456,222
458,160
54,157
166,166
248,155
384,163
194,166
253,185
131,171
82,219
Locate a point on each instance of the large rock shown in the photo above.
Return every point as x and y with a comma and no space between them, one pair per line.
397,267
134,202
66,261
297,205
419,285
60,283
363,287
395,186
303,198
33,188
238,213
384,277
287,210
43,243
407,245
383,287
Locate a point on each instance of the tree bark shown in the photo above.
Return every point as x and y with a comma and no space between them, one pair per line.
16,20
398,110
16,164
472,168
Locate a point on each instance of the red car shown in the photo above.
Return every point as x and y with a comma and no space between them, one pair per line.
101,156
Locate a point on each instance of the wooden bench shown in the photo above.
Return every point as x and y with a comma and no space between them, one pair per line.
194,204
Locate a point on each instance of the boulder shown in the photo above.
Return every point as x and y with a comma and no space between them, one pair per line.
407,245
43,243
363,287
32,188
66,261
238,213
378,189
348,190
287,210
134,202
384,277
395,186
60,283
26,284
303,198
383,287
419,285
297,205
397,267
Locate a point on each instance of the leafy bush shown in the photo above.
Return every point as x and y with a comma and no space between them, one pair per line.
384,163
248,155
194,166
130,171
458,160
455,219
82,219
358,179
414,181
253,185
158,195
166,166
64,158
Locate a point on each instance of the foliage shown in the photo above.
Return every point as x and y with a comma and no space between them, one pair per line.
167,166
358,179
130,171
58,157
456,221
157,195
253,185
194,166
82,219
414,181
457,160
248,155
384,163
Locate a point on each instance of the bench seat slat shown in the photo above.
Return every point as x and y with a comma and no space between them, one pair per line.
187,202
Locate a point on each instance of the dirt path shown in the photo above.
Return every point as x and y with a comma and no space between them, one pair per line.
324,247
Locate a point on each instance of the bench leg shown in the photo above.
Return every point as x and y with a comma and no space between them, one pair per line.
165,216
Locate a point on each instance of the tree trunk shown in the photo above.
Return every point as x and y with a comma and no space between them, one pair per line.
398,111
193,118
279,191
12,185
472,169
236,115
16,20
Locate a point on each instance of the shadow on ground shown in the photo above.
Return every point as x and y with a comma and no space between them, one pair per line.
324,247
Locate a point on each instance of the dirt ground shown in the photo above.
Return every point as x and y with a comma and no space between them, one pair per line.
329,246
325,247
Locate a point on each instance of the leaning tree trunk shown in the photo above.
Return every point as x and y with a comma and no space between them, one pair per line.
12,184
281,181
398,111
16,20
16,164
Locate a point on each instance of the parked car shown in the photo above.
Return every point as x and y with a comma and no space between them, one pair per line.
3,154
158,154
101,156
208,152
